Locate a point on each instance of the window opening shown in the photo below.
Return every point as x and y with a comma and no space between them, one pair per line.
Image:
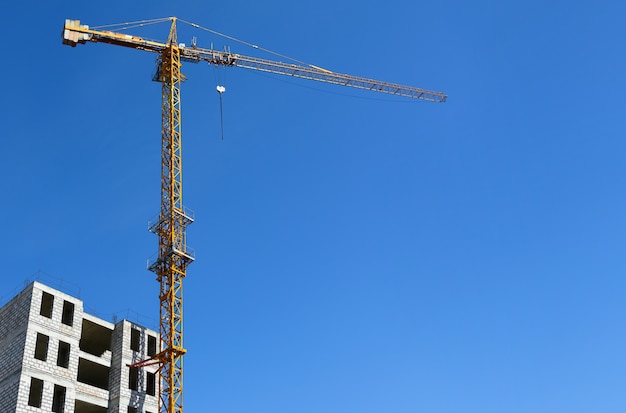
41,347
151,384
151,345
132,409
134,339
35,392
63,357
47,302
58,399
68,313
133,378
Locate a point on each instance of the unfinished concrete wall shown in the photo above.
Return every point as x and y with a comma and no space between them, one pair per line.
128,386
54,357
50,350
13,325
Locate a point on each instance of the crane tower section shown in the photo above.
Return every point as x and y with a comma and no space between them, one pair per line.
174,256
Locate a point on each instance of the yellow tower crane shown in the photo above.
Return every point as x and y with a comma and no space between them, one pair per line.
174,256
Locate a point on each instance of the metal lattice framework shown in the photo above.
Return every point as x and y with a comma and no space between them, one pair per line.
76,33
311,73
174,256
172,263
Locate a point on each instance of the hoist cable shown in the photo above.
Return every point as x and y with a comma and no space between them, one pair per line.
221,116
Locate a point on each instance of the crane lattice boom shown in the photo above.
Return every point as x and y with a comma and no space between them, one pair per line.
75,33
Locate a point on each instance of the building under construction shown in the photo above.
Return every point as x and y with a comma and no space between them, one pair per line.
54,357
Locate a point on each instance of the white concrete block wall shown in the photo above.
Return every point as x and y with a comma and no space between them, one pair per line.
122,355
56,331
13,327
20,321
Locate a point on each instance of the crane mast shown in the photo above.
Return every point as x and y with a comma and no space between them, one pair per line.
174,256
173,259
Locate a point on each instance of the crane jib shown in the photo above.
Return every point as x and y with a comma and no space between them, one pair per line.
75,33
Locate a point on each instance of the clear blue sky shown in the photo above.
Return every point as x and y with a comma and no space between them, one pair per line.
355,253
